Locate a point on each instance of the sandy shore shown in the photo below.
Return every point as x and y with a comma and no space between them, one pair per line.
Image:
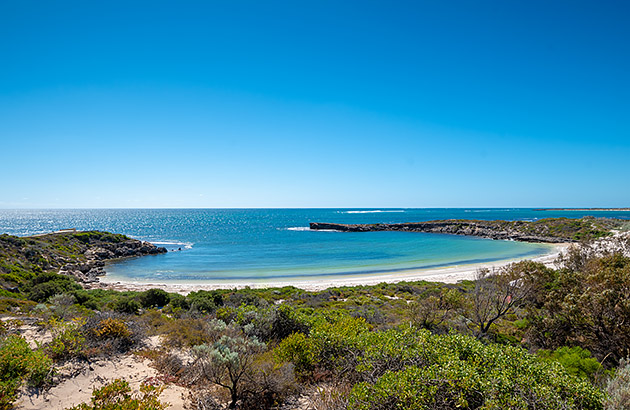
450,274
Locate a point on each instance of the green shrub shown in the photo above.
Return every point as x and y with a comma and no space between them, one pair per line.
126,304
68,341
154,298
575,360
299,350
440,387
48,284
458,371
205,301
18,363
117,395
413,369
179,302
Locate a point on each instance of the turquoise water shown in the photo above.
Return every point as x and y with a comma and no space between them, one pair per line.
271,244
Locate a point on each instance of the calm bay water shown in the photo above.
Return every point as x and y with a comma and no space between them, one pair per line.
267,244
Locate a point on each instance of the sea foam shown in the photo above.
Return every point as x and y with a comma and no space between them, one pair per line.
376,211
186,245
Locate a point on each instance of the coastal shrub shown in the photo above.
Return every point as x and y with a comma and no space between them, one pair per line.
618,388
110,334
204,301
152,320
587,306
268,385
413,388
410,368
154,298
191,332
227,314
48,284
299,350
178,301
229,362
245,297
87,299
458,371
433,311
17,364
266,324
286,321
117,395
575,360
126,304
111,328
68,340
63,306
15,304
98,236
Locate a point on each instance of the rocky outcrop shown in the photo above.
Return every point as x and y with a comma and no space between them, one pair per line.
538,231
98,250
79,254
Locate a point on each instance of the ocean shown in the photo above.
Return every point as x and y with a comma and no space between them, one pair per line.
257,245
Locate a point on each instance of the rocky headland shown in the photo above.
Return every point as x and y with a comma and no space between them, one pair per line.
81,255
550,230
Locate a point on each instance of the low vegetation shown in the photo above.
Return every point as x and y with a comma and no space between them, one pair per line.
19,364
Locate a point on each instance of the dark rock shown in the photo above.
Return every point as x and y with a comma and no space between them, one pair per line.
511,230
98,252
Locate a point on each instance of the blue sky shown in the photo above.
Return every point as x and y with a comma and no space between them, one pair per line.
314,104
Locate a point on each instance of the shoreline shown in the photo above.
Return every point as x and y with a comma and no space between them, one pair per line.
448,274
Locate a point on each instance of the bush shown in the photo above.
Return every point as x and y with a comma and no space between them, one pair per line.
229,362
204,301
106,334
154,298
18,363
575,360
117,396
12,305
299,350
109,328
618,388
191,332
127,305
179,302
48,284
68,340
458,371
413,369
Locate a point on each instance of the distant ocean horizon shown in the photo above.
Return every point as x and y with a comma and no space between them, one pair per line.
257,245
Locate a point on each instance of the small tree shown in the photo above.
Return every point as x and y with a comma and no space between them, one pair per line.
432,311
229,363
496,294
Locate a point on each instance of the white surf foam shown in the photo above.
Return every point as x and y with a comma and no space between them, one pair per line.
186,245
376,211
307,229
